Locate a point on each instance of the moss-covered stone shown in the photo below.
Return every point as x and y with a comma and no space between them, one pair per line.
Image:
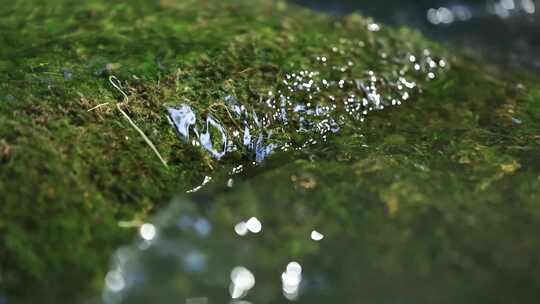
68,176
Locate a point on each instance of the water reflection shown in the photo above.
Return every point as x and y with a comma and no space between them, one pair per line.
291,280
192,247
325,244
242,280
460,12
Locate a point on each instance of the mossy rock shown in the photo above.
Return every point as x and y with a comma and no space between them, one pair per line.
470,141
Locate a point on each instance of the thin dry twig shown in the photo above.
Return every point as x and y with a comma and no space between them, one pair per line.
116,84
98,106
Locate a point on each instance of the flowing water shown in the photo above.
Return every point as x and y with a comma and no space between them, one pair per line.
309,104
505,31
304,225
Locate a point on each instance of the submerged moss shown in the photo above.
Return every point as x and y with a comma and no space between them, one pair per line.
469,141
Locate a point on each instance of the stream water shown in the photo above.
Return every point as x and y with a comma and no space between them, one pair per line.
305,229
505,31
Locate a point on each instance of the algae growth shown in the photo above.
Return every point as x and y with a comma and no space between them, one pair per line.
453,174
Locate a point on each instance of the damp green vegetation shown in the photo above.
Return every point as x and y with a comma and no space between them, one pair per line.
454,172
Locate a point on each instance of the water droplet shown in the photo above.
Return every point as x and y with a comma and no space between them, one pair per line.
242,280
147,231
254,225
316,236
182,118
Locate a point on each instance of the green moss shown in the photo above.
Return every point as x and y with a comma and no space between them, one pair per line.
68,176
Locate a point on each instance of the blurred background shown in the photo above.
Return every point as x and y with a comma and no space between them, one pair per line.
504,31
